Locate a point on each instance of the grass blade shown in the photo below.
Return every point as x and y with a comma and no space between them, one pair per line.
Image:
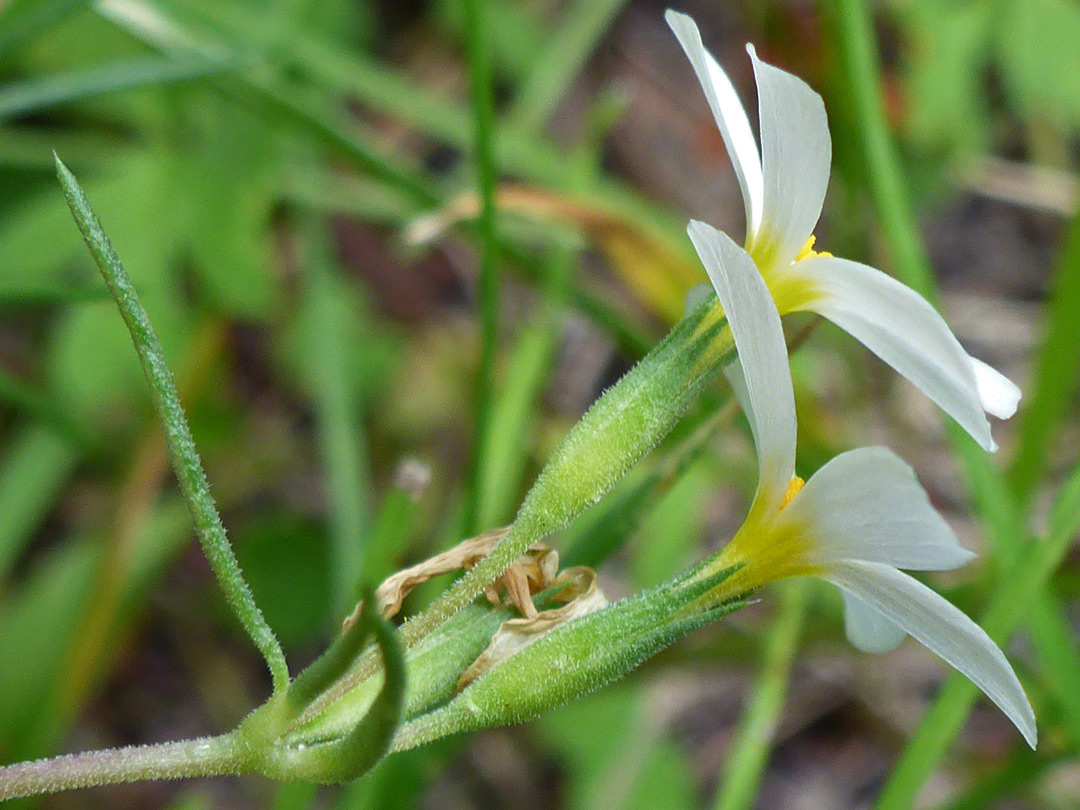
34,95
35,467
741,779
483,105
342,439
549,78
22,20
1055,373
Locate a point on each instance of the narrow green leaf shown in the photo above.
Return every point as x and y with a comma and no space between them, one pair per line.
181,447
35,467
582,26
1065,516
517,31
483,109
1054,377
22,20
505,453
1053,635
32,402
34,95
343,442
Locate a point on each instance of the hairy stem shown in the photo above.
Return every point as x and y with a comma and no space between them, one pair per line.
205,756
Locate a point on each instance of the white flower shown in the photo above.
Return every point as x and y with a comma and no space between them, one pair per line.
856,522
783,190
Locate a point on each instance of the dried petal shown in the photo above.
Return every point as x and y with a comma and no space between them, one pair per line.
580,594
531,573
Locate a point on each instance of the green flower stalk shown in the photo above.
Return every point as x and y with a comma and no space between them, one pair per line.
577,658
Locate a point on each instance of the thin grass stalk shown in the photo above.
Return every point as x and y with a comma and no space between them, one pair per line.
483,106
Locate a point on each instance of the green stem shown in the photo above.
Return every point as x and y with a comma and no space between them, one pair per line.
206,756
750,750
488,289
182,454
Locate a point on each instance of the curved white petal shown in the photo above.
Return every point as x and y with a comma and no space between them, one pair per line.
900,327
999,395
867,629
867,505
796,157
729,113
755,324
942,628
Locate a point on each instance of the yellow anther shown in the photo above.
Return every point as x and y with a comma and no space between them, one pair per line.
808,250
792,490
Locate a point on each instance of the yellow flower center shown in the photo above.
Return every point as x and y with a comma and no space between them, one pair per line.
808,251
793,488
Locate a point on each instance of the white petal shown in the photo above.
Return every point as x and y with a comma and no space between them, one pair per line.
900,327
942,628
867,505
999,395
867,629
729,113
796,156
755,324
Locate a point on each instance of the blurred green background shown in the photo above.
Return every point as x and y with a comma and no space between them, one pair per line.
262,167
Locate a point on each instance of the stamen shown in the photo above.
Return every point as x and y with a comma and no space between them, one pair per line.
793,487
808,251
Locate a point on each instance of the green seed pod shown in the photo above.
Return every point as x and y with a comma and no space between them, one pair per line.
575,659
